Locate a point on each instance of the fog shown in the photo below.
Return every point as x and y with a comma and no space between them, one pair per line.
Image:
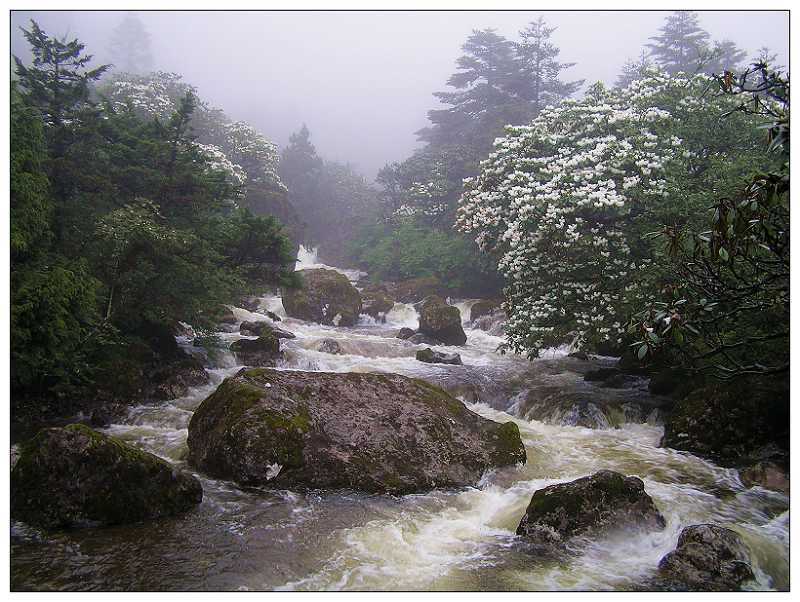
363,81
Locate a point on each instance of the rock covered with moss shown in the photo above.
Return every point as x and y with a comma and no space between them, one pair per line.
603,502
377,302
258,329
380,433
441,321
733,428
263,351
429,356
325,297
74,476
707,558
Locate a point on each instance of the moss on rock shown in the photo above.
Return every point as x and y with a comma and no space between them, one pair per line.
325,297
74,476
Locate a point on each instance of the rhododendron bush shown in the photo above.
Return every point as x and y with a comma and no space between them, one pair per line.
565,203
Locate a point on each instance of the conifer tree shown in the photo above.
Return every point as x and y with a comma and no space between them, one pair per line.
539,72
130,46
681,45
58,80
633,70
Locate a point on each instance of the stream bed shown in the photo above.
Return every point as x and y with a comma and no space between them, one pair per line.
262,539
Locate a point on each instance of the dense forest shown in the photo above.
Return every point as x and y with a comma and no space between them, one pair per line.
645,221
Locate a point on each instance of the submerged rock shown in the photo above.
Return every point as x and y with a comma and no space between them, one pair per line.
441,321
263,351
329,346
423,339
369,432
406,333
74,476
593,505
707,558
264,328
430,356
326,297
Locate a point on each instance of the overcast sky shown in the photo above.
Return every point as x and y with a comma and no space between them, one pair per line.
362,81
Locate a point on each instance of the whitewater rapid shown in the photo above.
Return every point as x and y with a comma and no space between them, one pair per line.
261,539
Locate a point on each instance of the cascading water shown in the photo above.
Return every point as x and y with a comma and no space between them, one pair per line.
246,538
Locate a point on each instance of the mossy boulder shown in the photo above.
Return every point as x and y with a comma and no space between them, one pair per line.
263,351
484,307
380,433
707,558
603,502
376,302
258,329
74,476
441,321
326,297
735,424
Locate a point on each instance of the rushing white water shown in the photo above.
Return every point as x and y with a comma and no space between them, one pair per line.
443,540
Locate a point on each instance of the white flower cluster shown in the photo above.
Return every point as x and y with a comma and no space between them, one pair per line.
557,199
235,147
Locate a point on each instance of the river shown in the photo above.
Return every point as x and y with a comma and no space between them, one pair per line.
262,539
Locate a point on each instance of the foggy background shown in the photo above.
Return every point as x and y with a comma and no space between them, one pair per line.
363,81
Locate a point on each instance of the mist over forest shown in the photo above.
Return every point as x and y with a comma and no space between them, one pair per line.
364,81
415,301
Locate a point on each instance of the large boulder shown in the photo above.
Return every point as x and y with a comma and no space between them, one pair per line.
380,433
430,356
481,308
74,476
174,379
263,351
593,505
734,424
406,333
707,558
376,302
326,297
441,321
257,329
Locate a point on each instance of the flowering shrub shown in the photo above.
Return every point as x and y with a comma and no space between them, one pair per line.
236,148
564,202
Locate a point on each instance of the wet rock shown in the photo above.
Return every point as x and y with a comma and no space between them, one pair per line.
376,302
174,379
430,356
263,351
600,374
734,424
74,476
273,316
106,414
250,303
707,558
484,307
329,346
225,315
258,329
406,333
423,339
766,474
441,321
603,502
579,355
369,432
326,297
416,289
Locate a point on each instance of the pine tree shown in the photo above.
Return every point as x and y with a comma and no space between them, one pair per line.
539,81
682,44
58,80
633,70
130,46
485,100
724,56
